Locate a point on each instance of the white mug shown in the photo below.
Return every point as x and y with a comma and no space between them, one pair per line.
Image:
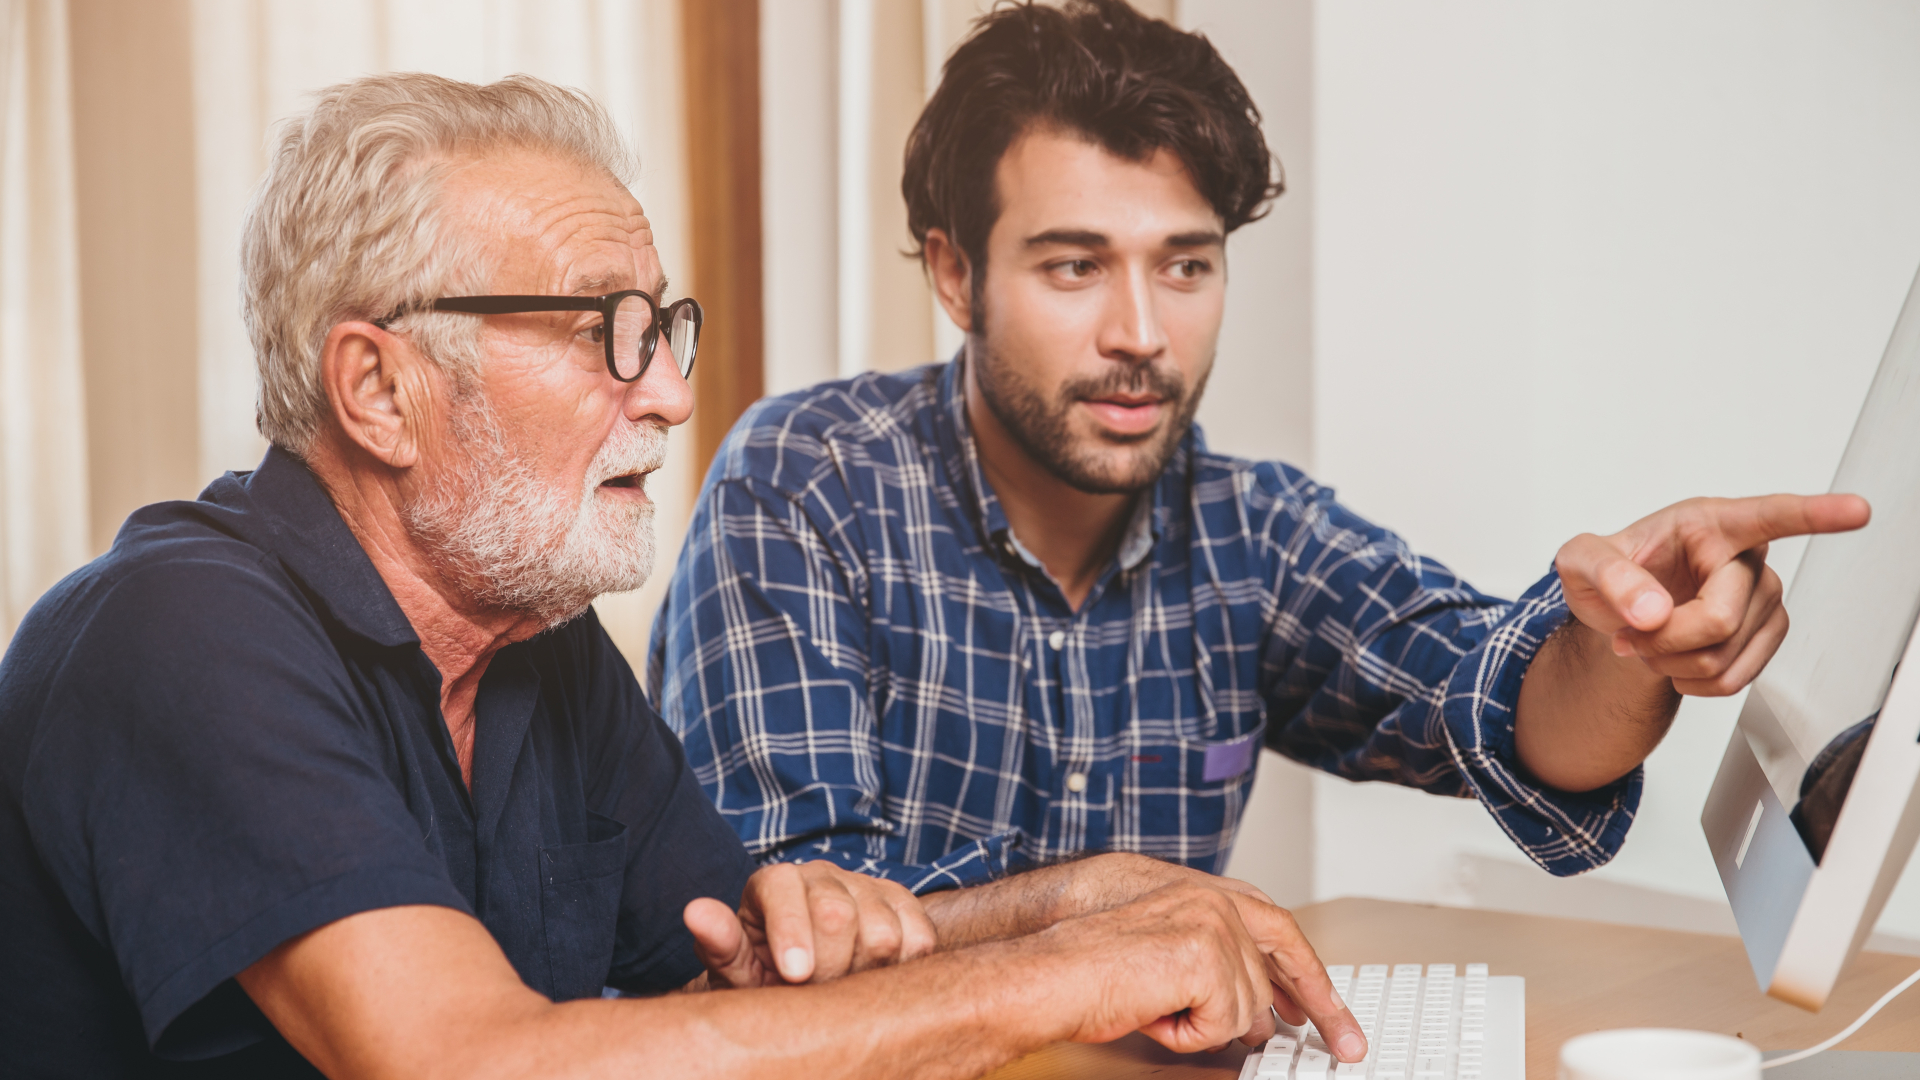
1658,1054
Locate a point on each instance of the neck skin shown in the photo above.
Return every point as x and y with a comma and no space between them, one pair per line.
458,638
1073,533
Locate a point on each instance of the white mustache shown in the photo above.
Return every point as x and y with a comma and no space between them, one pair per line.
630,449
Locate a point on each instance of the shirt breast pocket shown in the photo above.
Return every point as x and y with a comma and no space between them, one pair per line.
580,887
1183,798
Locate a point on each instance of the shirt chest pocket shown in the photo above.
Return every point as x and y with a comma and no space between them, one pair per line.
580,888
1196,766
1183,798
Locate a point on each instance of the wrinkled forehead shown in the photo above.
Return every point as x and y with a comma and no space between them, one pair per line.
551,225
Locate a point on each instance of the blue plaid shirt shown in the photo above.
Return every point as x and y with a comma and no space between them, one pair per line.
867,666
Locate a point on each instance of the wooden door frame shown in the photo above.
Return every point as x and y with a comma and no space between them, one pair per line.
722,65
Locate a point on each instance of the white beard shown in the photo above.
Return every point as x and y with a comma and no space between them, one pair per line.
512,543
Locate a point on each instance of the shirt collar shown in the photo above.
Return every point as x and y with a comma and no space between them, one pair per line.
957,444
313,543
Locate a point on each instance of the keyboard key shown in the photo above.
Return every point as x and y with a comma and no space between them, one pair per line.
1313,1065
1427,1067
1477,969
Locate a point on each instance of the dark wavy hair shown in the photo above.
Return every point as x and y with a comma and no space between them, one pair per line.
1096,68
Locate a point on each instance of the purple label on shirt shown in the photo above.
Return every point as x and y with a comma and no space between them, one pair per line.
1229,759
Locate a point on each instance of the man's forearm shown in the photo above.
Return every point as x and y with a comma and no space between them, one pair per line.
1028,902
956,1015
1011,907
425,992
1586,717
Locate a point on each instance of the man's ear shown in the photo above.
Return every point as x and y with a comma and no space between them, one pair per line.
952,277
380,390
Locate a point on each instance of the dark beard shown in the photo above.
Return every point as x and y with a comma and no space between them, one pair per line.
1040,425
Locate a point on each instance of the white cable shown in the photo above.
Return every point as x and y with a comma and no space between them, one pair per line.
1850,1028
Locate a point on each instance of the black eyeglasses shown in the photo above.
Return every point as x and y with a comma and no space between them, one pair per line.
634,316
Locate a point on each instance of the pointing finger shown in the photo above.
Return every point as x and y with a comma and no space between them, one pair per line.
1296,969
1747,522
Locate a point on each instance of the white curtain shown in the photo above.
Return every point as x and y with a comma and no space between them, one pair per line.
253,63
256,61
841,84
43,460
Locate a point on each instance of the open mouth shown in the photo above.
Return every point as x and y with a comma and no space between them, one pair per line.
627,480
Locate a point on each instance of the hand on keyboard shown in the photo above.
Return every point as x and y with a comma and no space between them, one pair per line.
1194,967
1421,1025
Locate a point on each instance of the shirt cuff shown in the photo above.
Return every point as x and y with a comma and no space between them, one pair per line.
977,863
982,861
1567,833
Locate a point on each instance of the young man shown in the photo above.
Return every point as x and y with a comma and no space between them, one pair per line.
333,771
995,613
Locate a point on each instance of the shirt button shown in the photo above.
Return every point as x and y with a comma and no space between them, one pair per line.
1076,782
1057,639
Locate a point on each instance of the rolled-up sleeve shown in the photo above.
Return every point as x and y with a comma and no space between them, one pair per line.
1384,665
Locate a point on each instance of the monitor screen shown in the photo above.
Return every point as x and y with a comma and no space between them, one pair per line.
1853,603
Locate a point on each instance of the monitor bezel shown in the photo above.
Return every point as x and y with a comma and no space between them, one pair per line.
1803,922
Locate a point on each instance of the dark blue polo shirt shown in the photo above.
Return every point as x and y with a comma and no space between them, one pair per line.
223,733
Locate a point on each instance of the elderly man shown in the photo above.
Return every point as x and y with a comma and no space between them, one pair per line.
981,616
334,768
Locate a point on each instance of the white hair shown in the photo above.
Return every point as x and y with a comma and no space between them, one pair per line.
348,224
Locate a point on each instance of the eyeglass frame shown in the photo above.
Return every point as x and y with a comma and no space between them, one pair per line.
605,305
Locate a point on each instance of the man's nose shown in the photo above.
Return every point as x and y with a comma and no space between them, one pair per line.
1132,331
661,391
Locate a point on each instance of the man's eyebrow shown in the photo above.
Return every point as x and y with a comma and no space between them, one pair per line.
660,291
1069,238
1092,239
597,285
1204,238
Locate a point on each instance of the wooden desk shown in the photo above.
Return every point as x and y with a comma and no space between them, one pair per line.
1581,976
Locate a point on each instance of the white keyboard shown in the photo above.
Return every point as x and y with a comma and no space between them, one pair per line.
1420,1025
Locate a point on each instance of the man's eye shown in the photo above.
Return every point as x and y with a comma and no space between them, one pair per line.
597,333
1076,268
1191,268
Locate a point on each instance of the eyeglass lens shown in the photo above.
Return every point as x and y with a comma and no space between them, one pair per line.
683,335
632,336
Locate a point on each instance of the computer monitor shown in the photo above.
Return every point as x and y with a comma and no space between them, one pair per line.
1814,810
